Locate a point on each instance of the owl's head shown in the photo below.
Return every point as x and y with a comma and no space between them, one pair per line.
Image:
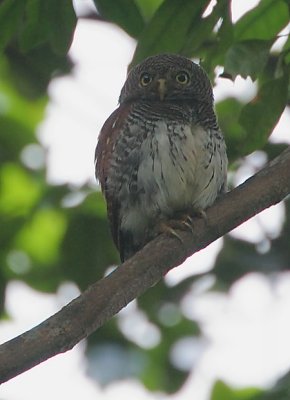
167,77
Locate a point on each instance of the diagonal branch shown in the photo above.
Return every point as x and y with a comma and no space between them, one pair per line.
105,298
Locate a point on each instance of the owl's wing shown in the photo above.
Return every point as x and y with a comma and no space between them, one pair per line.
103,156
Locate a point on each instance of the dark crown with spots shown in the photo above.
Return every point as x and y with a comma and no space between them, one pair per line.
198,89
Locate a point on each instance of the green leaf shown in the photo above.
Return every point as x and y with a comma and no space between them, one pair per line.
88,243
48,22
286,51
215,50
239,258
32,72
15,107
264,22
36,28
124,13
280,391
168,29
228,112
260,116
247,58
201,31
148,7
162,307
13,137
18,191
10,14
42,235
63,22
221,392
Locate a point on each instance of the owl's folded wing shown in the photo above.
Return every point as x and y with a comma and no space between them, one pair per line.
103,156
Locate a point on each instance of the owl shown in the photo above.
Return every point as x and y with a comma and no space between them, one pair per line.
160,154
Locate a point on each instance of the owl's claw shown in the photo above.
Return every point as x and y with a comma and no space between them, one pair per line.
201,214
183,223
186,223
168,228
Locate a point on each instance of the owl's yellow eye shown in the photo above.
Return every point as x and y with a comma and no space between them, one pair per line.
145,79
182,78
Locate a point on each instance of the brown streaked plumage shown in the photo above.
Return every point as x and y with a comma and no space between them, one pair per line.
161,152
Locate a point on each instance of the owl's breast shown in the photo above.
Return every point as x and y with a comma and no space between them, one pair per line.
180,168
167,166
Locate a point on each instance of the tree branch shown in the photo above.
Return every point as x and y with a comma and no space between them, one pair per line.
105,298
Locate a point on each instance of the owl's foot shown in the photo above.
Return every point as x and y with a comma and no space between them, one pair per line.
185,223
169,227
201,214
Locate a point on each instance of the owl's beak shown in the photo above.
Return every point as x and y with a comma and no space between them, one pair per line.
161,88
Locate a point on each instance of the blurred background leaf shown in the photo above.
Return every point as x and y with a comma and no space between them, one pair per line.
124,13
222,391
168,28
259,23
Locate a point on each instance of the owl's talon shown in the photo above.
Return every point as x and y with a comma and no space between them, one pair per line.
188,219
201,214
165,227
188,225
175,234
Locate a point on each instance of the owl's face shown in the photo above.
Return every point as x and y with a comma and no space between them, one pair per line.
167,77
